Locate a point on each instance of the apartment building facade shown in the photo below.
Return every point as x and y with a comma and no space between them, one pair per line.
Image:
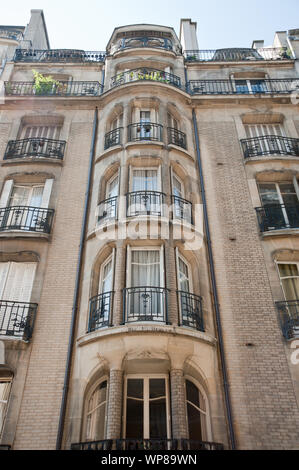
149,242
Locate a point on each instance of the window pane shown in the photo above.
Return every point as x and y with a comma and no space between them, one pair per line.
288,270
134,425
192,393
268,194
291,288
158,428
135,388
194,423
157,388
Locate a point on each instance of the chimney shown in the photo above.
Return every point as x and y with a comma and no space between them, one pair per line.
188,37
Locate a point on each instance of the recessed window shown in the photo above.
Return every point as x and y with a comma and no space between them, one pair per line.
5,386
96,413
196,412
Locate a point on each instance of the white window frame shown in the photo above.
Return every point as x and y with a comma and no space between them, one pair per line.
286,277
146,421
5,403
145,168
208,428
88,397
144,248
102,267
278,191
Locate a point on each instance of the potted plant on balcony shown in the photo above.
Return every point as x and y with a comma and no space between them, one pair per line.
44,85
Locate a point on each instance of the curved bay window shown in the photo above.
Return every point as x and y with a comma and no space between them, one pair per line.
96,413
196,413
147,409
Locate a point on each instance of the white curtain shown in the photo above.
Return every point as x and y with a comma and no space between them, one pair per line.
29,196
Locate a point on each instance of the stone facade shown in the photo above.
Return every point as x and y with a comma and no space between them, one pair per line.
143,333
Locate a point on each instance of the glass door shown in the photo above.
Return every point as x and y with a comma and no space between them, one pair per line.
280,203
145,185
25,202
145,126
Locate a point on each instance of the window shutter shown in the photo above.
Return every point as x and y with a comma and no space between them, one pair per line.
6,193
47,193
19,282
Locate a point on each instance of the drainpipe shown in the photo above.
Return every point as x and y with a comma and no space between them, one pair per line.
214,289
77,285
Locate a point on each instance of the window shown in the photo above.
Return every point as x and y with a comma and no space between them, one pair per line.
16,281
250,86
147,414
5,386
182,209
96,413
289,278
145,284
280,203
196,412
145,197
45,131
108,208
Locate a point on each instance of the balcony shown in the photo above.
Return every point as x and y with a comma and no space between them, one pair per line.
143,304
176,137
145,131
147,444
14,34
146,41
277,217
289,318
26,218
63,89
100,308
113,138
270,145
191,310
145,74
238,54
242,87
107,210
145,203
58,55
182,209
17,319
35,147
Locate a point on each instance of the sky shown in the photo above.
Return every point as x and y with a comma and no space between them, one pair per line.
88,24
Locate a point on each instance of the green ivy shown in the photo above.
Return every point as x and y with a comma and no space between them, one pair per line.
44,85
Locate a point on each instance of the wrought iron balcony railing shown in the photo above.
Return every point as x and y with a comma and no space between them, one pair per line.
182,209
146,41
17,319
270,145
176,137
112,138
26,218
147,444
238,54
251,87
191,310
11,33
58,55
278,216
145,203
5,447
145,304
289,318
35,147
100,308
63,88
145,131
107,209
145,74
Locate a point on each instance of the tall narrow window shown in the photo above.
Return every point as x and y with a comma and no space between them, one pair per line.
107,209
289,277
280,203
21,198
5,386
147,408
196,412
96,413
145,197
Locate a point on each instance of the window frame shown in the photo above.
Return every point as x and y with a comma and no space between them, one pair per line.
207,434
92,390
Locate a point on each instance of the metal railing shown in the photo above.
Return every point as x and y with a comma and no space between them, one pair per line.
182,209
107,209
147,444
146,41
145,74
277,216
35,147
10,33
112,138
26,218
58,55
289,318
145,131
17,319
145,203
145,304
191,310
176,137
100,308
238,54
269,145
63,88
5,447
232,87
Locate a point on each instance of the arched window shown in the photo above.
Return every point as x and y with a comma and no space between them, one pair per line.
96,413
196,412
